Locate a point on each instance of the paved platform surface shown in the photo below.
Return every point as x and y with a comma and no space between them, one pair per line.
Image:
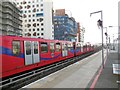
107,79
78,75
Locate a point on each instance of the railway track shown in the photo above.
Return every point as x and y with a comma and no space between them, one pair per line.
29,77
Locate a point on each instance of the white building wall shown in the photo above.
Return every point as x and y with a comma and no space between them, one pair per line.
43,29
82,35
49,31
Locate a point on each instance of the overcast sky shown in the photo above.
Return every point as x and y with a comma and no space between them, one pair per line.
81,10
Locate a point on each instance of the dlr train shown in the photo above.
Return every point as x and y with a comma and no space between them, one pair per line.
19,54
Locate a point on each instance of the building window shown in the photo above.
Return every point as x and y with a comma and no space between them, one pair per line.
29,20
39,14
41,5
38,24
33,6
29,11
33,20
29,15
37,34
29,29
33,15
42,29
37,29
37,10
41,24
41,9
37,5
37,19
42,33
33,29
25,20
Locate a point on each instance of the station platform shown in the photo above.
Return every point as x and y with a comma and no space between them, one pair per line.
109,79
78,75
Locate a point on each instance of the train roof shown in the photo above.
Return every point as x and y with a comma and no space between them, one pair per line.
31,39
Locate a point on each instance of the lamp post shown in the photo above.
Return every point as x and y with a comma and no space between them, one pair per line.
100,22
106,34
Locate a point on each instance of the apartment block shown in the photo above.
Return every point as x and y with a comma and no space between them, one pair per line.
37,18
10,18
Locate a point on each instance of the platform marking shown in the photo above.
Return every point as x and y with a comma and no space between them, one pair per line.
97,76
58,71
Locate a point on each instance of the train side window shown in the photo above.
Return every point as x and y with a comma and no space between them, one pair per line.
57,47
52,47
28,48
16,48
44,47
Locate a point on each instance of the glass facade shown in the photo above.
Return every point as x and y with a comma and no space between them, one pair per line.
65,28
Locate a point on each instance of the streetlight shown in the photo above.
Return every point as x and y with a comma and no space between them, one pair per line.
100,23
106,34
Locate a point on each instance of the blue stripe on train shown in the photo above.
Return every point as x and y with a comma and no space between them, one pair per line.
50,58
7,51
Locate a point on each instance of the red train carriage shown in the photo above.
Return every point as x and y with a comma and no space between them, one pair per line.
79,48
22,54
85,48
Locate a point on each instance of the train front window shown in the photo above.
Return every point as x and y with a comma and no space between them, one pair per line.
16,48
44,47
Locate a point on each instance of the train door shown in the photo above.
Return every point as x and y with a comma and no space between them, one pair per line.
52,49
28,52
74,47
31,52
66,50
81,48
35,52
63,49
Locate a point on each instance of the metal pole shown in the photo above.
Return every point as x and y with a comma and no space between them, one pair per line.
102,35
106,44
102,41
